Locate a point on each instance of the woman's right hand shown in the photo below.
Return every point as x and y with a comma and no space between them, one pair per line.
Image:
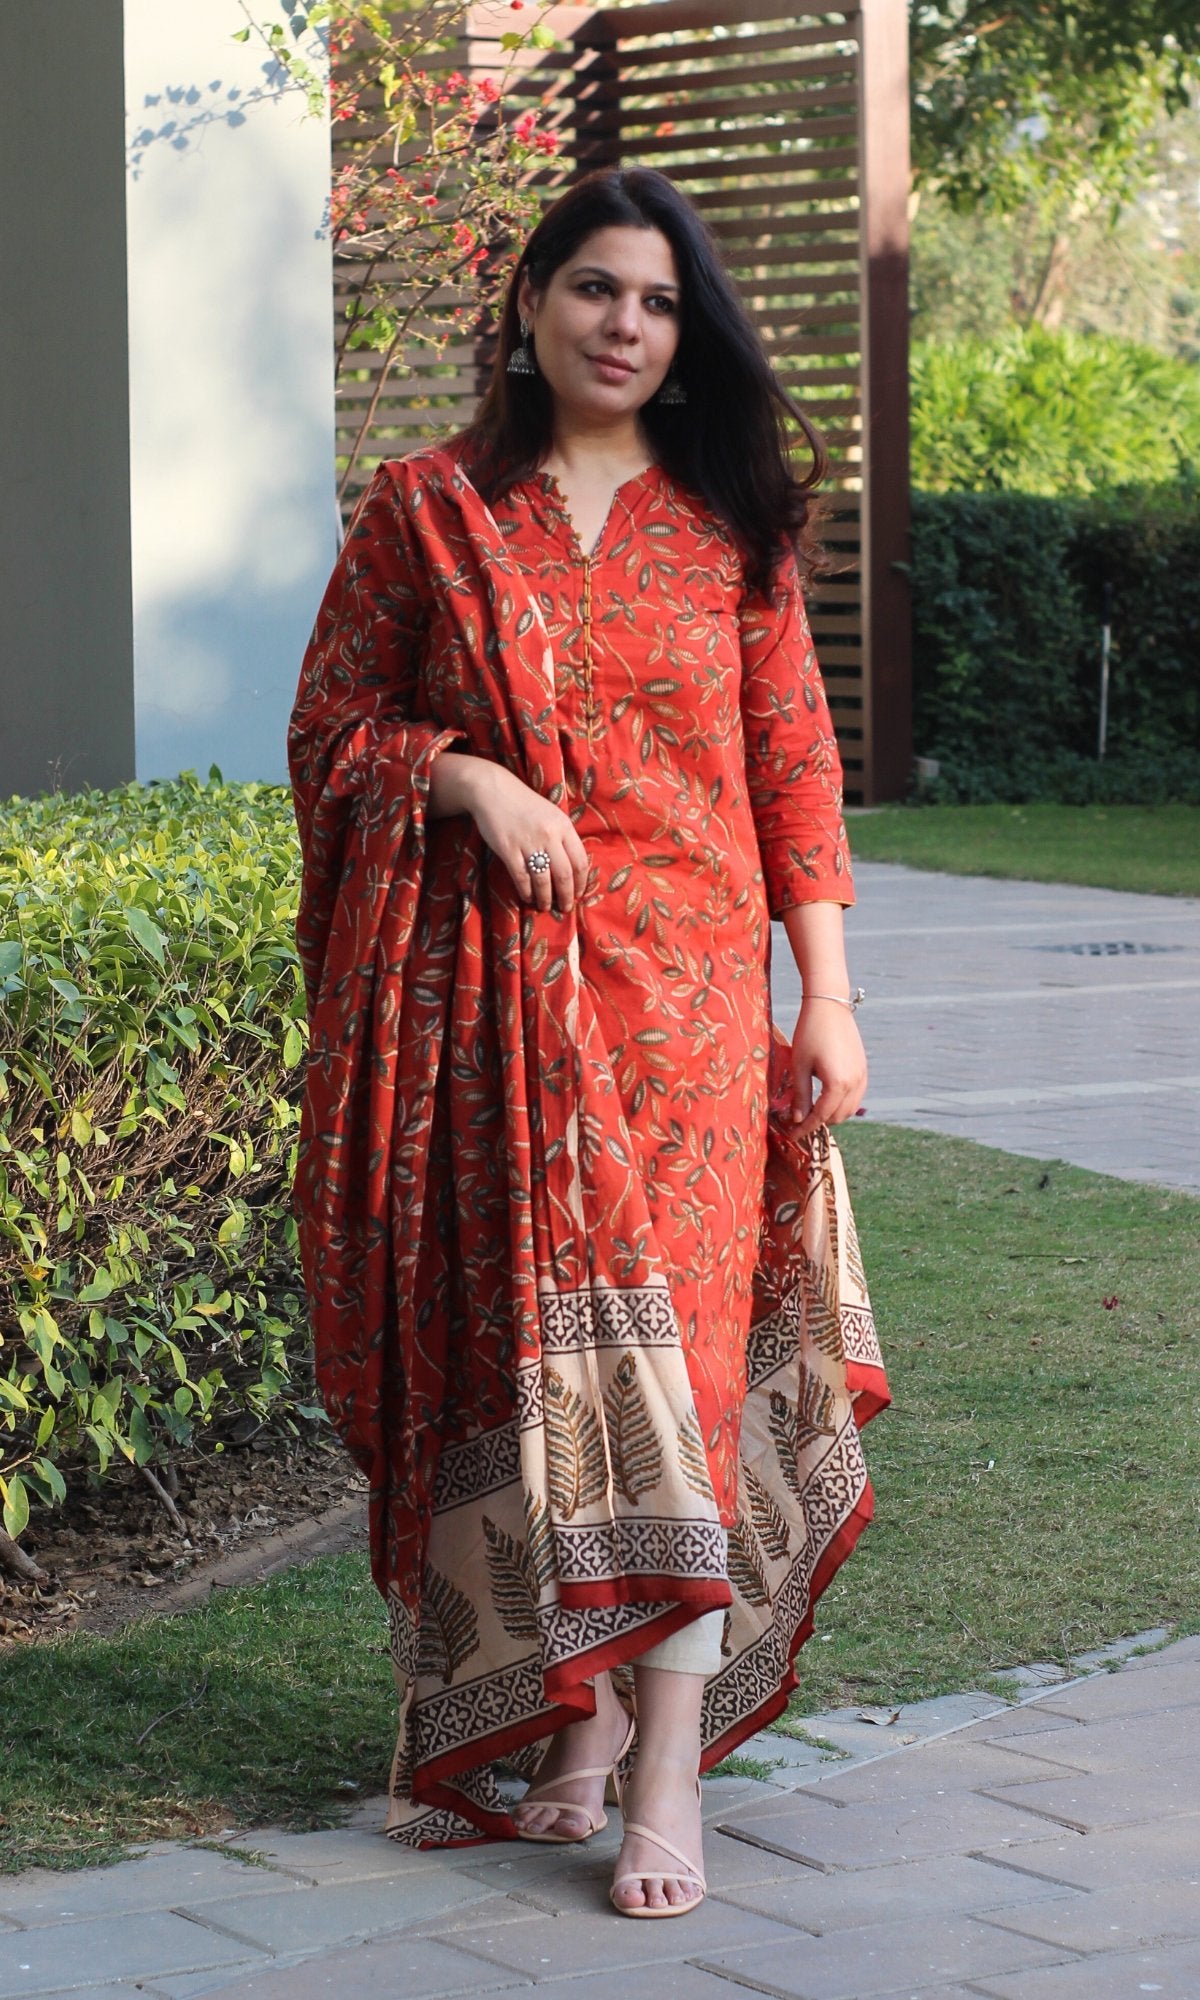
515,821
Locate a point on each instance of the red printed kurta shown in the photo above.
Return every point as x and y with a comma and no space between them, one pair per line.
579,1297
702,775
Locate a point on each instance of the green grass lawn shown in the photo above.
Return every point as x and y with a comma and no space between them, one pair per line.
1036,1480
1155,849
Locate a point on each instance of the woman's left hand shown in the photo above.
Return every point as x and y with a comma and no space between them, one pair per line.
826,1050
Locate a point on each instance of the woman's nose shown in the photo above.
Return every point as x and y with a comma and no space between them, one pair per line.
623,318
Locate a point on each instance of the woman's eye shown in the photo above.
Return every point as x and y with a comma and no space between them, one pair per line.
660,299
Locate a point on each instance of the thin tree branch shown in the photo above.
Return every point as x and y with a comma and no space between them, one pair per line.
156,1487
14,1559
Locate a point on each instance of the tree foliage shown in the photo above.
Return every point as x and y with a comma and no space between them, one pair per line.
437,176
1039,412
1046,100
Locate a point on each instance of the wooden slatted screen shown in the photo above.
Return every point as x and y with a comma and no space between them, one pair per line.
790,136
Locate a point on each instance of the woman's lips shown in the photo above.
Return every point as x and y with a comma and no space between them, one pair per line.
612,371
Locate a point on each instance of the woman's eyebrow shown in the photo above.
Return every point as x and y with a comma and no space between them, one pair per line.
659,285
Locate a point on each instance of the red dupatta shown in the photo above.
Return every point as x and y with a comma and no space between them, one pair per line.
494,1333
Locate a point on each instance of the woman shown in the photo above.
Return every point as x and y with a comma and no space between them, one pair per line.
587,1303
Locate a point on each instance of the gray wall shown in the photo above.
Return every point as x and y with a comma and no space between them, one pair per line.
66,625
167,516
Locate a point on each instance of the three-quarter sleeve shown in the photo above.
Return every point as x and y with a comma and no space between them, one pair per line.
793,770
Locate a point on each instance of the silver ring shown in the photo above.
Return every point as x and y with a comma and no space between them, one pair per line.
538,862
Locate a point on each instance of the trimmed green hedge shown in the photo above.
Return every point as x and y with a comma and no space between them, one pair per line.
1008,595
1050,413
152,1015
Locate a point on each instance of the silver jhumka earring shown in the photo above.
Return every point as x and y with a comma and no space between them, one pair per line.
521,361
672,391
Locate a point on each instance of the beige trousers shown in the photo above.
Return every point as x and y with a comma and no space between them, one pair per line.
695,1649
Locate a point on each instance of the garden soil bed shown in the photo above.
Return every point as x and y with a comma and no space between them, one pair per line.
113,1554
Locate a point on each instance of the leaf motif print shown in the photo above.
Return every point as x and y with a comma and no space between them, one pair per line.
782,1424
854,1262
822,1314
818,1407
693,1459
511,1577
449,1631
769,1523
575,1455
747,1572
543,1567
637,1452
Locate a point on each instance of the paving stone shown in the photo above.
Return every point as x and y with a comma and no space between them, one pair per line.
644,1982
556,1894
121,1992
182,1986
555,1947
152,1882
1092,1802
947,1711
1157,1851
1102,1696
871,1836
1180,1653
1033,1718
843,1901
720,1795
950,1764
1113,1919
1135,1743
59,1956
337,1912
882,1958
556,1887
414,1968
1041,1673
789,1753
728,1863
335,1855
1172,1972
843,1728
1120,1649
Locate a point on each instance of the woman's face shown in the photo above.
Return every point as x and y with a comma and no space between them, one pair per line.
606,327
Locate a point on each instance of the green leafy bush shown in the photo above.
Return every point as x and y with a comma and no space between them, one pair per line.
1050,413
1008,602
153,1029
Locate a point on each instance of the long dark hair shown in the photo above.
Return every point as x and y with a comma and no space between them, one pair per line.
729,442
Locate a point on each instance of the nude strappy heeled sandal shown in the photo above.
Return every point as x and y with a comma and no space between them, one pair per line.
687,1873
606,1771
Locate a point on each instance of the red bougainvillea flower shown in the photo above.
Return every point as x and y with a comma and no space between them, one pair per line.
523,127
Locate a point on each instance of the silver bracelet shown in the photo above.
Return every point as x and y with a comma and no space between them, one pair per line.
852,1003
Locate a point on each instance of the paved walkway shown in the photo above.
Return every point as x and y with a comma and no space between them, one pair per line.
1045,1019
1047,1852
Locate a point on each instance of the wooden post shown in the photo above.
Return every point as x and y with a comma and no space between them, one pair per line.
887,611
597,98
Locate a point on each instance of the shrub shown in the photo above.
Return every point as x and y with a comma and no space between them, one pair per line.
1008,600
153,1030
1050,413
